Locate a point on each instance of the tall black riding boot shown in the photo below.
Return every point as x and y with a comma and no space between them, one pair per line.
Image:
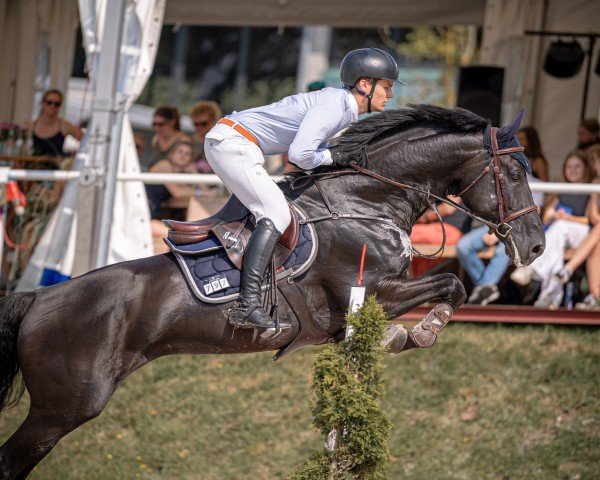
249,313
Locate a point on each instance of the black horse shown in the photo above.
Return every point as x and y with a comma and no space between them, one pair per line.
76,342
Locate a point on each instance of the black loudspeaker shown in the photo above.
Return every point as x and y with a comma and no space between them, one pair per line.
564,59
480,91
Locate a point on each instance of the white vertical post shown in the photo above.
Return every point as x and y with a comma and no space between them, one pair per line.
314,55
94,222
110,184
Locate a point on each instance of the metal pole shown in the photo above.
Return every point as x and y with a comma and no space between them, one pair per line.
314,55
178,68
103,147
241,76
108,201
590,52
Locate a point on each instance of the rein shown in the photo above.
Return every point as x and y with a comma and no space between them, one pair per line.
501,229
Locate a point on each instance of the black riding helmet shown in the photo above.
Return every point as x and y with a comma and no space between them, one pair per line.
368,62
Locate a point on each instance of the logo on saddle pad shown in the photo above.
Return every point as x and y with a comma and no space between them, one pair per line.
215,284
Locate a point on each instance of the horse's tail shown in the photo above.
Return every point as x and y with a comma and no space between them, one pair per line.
12,311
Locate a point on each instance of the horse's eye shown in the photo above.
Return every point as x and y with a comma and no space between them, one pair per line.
515,177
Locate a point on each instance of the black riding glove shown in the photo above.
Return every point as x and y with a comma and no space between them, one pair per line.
343,159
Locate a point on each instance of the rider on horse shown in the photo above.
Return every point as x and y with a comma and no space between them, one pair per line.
300,126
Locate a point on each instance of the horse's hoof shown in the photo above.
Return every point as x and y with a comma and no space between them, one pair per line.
427,330
394,338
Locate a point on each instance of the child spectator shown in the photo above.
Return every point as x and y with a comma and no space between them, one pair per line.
174,196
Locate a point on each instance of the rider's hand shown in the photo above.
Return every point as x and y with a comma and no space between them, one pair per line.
342,159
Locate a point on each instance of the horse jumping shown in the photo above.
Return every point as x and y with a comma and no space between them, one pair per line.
76,342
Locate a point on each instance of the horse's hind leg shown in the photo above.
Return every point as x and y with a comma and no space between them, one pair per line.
400,295
27,446
44,427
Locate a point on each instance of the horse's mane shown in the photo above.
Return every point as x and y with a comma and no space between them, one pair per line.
386,123
389,122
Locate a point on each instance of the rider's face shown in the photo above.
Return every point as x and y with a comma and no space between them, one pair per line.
381,95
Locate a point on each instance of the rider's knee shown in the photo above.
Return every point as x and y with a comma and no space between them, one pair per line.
281,219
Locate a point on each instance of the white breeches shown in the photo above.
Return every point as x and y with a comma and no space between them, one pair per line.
561,235
239,163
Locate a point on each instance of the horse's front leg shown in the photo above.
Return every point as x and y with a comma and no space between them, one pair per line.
400,295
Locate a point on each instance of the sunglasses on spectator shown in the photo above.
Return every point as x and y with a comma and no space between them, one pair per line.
201,124
158,124
52,102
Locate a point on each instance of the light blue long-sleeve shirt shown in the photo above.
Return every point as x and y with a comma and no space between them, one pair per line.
301,124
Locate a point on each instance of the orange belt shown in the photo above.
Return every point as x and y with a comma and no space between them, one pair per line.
241,130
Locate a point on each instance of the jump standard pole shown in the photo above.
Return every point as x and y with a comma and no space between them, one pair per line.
357,299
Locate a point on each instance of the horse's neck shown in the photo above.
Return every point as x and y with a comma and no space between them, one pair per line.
430,161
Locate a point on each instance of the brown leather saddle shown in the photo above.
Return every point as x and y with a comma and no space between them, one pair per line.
232,226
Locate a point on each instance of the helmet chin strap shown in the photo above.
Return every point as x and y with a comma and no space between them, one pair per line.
368,96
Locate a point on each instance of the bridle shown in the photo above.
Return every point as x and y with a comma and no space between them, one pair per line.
504,213
501,229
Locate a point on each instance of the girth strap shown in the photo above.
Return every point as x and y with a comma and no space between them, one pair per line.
309,332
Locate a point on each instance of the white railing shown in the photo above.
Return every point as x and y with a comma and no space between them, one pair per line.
211,179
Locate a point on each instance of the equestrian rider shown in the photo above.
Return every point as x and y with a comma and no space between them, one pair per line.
300,126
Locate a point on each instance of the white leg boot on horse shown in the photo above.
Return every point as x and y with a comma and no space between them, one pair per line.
425,333
398,339
249,312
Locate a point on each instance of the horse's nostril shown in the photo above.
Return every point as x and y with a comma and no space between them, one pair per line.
538,248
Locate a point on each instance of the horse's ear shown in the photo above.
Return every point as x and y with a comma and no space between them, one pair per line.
510,130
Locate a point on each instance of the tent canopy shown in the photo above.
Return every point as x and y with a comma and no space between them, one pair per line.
30,26
336,13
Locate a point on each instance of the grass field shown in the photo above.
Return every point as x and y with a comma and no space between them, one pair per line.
486,402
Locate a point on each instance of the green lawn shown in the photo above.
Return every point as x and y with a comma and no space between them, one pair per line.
486,402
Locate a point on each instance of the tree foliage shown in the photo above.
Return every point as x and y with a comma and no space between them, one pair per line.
346,391
449,47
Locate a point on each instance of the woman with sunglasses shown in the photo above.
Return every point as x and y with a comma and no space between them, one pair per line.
49,130
205,115
167,132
